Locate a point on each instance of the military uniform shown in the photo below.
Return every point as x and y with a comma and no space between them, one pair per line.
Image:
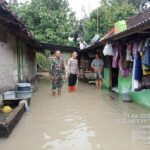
57,70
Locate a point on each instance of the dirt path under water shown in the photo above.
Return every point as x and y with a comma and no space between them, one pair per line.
87,120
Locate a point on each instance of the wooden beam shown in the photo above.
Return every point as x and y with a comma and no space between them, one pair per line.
54,47
143,32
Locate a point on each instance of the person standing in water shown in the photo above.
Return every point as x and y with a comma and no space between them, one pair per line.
72,72
97,65
57,72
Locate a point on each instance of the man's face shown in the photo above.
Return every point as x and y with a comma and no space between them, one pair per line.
58,54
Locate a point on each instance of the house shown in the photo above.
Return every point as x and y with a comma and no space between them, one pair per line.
138,30
17,51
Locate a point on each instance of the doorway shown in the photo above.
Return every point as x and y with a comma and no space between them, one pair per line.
115,74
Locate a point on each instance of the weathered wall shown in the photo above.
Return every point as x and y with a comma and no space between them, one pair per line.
17,61
7,62
31,66
27,63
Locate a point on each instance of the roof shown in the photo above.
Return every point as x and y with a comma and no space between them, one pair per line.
9,20
139,18
54,47
15,26
137,24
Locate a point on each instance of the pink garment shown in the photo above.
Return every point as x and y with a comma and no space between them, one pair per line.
115,60
122,70
135,48
129,53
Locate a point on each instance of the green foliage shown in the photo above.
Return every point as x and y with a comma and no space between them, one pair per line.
49,21
108,14
42,61
53,21
138,4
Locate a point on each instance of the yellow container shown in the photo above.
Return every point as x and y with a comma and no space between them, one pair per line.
6,109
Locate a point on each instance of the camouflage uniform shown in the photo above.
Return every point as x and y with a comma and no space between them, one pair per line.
57,70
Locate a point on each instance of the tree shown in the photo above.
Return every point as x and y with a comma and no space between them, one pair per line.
49,21
108,14
139,4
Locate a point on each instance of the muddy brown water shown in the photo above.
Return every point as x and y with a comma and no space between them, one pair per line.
86,120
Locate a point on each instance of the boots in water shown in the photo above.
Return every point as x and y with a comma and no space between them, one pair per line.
73,88
70,89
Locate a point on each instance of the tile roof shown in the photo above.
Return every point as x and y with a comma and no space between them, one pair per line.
139,18
134,24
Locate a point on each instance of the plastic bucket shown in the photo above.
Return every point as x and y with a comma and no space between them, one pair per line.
126,96
24,94
23,87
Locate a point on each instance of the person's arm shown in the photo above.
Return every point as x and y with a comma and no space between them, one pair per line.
101,66
68,67
51,68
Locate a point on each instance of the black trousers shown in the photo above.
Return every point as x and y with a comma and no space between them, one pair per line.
72,79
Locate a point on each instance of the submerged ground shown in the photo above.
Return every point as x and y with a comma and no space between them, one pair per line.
86,120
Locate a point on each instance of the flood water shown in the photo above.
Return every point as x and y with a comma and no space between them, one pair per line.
86,120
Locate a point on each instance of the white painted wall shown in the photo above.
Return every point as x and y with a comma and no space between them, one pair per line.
8,73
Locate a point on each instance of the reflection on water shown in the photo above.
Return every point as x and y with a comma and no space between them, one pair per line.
87,120
73,139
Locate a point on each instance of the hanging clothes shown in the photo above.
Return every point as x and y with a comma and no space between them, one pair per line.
134,49
138,67
140,46
133,74
136,84
146,70
123,54
146,59
145,46
115,60
129,53
124,70
146,82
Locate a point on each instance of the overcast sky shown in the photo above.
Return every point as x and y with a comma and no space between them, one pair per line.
79,5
